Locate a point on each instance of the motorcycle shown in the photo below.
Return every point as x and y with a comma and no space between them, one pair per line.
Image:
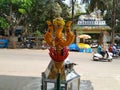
27,44
118,49
98,56
117,54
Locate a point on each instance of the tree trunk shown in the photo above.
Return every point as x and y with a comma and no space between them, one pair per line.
114,19
73,3
12,37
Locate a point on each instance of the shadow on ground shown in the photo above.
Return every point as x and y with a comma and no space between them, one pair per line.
31,83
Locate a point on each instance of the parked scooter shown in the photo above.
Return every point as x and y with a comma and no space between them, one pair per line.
27,44
118,52
116,55
118,49
98,56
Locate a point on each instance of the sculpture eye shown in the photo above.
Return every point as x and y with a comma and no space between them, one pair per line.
58,26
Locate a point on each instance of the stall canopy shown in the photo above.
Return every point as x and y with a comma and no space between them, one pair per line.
84,36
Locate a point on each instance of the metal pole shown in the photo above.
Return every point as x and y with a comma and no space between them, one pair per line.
58,84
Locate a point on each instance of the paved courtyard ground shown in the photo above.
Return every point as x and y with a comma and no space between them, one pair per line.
20,69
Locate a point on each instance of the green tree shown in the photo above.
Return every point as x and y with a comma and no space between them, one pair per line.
3,23
14,11
46,10
96,5
106,5
32,14
112,17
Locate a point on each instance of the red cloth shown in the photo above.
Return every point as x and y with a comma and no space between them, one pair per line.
110,49
58,57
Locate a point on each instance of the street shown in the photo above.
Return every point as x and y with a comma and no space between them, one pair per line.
23,68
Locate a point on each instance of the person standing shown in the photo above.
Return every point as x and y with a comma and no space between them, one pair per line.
110,48
19,38
114,50
99,49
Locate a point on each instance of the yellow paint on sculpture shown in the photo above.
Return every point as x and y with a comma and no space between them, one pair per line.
58,41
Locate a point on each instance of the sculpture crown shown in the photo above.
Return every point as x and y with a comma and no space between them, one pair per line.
59,21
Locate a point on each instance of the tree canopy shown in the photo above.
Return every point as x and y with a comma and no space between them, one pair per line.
32,14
